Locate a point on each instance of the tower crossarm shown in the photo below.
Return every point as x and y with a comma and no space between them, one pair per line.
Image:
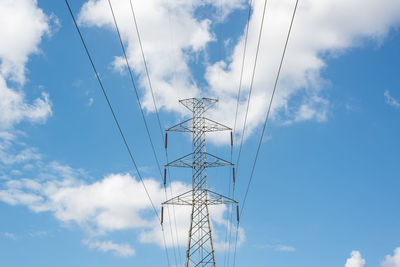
209,126
212,198
213,126
185,126
192,103
210,161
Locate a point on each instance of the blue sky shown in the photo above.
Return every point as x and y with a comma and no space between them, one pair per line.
326,187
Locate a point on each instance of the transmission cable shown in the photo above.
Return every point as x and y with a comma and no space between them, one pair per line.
135,89
138,98
266,120
251,84
159,124
118,125
147,71
242,68
229,228
166,150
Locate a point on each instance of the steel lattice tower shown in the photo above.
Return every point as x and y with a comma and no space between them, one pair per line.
200,250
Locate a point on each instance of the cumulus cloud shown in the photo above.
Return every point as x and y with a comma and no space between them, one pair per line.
390,100
115,203
123,250
355,260
171,37
23,25
392,261
15,109
322,30
174,36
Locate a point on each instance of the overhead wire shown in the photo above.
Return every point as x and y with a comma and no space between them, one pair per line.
251,84
166,150
135,89
242,68
138,98
146,68
266,120
159,124
118,124
229,228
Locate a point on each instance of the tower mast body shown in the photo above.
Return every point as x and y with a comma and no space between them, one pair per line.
200,250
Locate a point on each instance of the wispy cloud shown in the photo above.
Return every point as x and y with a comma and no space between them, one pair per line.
90,102
390,100
123,250
10,236
285,248
34,234
279,247
31,234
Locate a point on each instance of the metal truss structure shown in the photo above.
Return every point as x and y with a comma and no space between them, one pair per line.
200,251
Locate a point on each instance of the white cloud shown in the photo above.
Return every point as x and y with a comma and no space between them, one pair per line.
115,203
165,51
15,109
392,261
390,100
323,29
33,234
285,248
39,233
355,260
24,155
10,236
90,102
279,247
26,24
173,38
123,250
22,27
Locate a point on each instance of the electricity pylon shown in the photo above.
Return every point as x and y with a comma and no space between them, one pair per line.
200,250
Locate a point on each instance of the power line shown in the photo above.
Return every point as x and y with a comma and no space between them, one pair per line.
138,98
269,107
243,60
159,124
266,120
116,122
252,82
166,151
229,228
135,89
111,108
147,71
